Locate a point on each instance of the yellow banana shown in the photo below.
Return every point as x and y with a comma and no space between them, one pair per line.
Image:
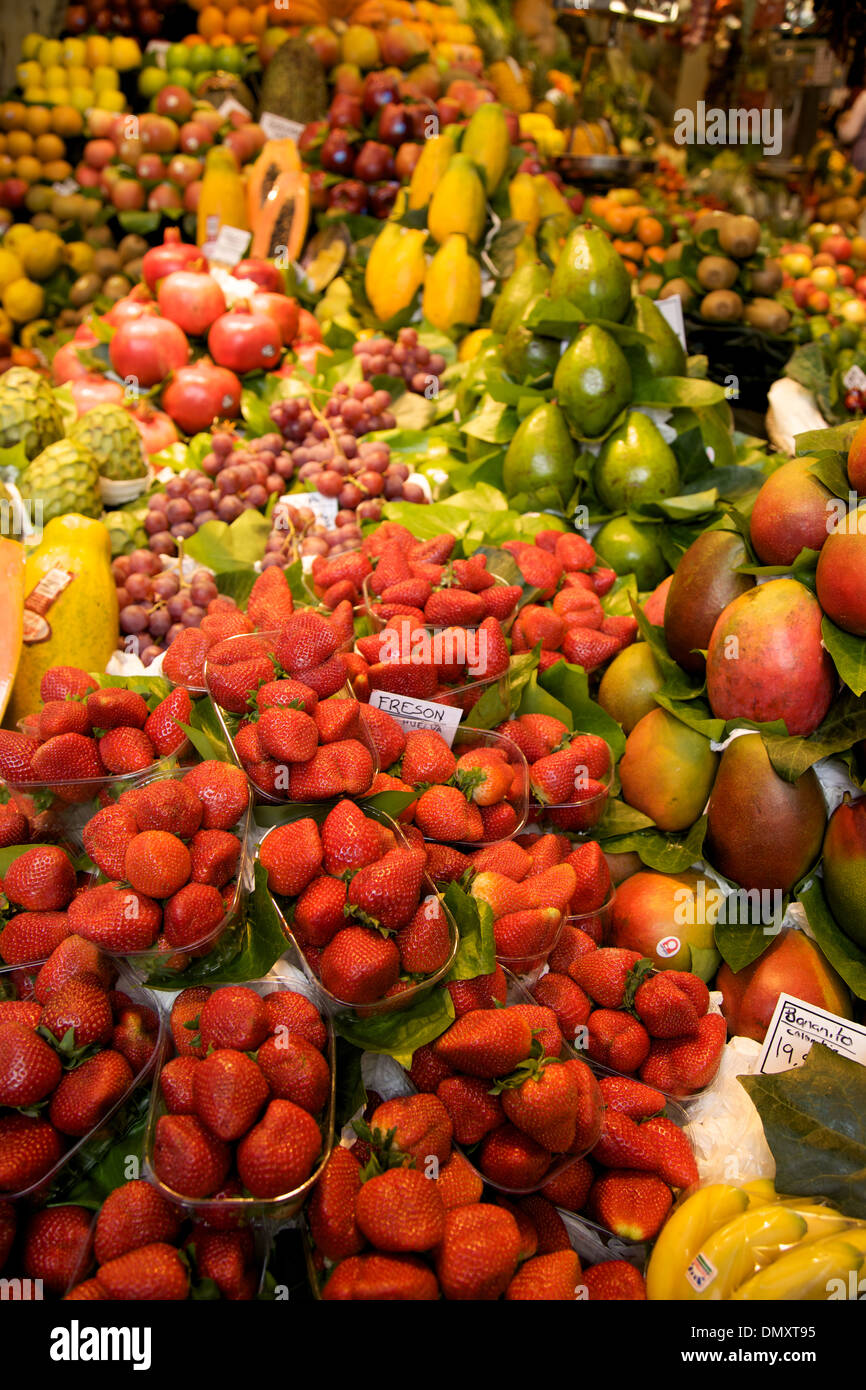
729,1256
803,1273
760,1191
821,1221
683,1234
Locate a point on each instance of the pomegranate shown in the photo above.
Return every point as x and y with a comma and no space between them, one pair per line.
154,426
192,299
88,391
244,339
201,393
67,365
132,306
173,254
282,310
264,273
308,355
147,349
309,327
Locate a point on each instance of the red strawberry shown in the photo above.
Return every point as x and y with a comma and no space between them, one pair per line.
338,719
157,863
421,1124
443,813
151,1272
306,641
350,840
579,608
614,1280
536,735
387,891
550,1228
404,677
512,1160
14,829
393,568
425,943
234,670
166,804
540,626
87,1094
175,1085
223,792
226,1256
58,1246
114,708
621,626
582,646
401,1278
633,1205
16,757
115,917
89,1290
414,592
30,936
617,1040
328,678
498,821
288,735
162,726
427,758
65,682
400,1211
29,1149
692,986
549,1278
387,735
472,574
509,859
214,857
485,1042
228,1091
359,966
574,552
426,1071
630,1097
107,836
544,1025
344,767
135,1035
234,1016
624,1144
283,693
593,877
73,958
25,1011
435,551
131,1216
193,914
603,580
331,1210
481,992
524,938
572,945
478,1254
295,1070
663,1008
458,1184
685,1065
545,1106
446,864
319,913
41,879
83,1007
473,1110
125,750
184,1020
292,856
185,659
674,1157
500,601
567,1001
491,653
289,1012
29,1069
569,1187
279,1152
270,603
187,1158
604,974
62,717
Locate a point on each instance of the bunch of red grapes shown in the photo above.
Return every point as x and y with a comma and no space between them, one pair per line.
406,357
157,604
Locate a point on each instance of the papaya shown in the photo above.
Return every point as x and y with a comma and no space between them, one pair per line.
435,158
395,269
487,143
281,226
11,630
452,286
667,770
705,582
459,202
276,157
72,619
222,202
845,868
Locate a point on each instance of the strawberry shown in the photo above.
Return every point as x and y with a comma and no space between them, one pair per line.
393,568
163,725
184,661
107,836
133,1215
223,792
228,1092
400,1211
663,1008
426,1071
386,734
83,1007
175,1085
558,777
350,840
288,735
425,943
551,1232
279,1152
62,717
446,864
166,804
157,863
319,911
579,608
509,859
226,1256
540,627
499,821
292,856
29,1069
414,592
617,1040
551,1278
32,936
359,965
622,627
630,1097
29,1149
295,1070
567,1001
484,777
404,677
184,1020
58,1246
633,1205
344,767
387,891
187,1158
454,608
151,1272
66,682
234,669
328,678
614,1280
481,992
114,708
500,601
72,959
427,758
25,1011
573,944
293,1013
593,877
89,1290
458,1184
536,735
331,1210
545,851
224,620
214,856
306,641
570,1187
624,1144
337,719
524,938
473,1110
135,1035
685,1065
604,974
693,987
125,750
115,917
17,752
472,574
583,646
397,1278
492,657
574,552
545,1105
443,813
87,1094
383,783
540,569
233,1017
270,603
283,693
435,551
510,1159
478,1254
41,879
485,1042
14,829
421,1124
674,1157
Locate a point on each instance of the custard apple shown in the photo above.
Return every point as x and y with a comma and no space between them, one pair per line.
29,412
111,434
64,478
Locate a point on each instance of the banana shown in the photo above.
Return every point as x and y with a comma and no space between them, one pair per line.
729,1255
760,1191
821,1221
683,1234
803,1273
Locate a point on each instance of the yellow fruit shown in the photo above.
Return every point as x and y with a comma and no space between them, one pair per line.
472,344
42,256
38,120
30,45
487,143
29,75
36,96
55,96
105,80
50,52
28,168
81,99
75,52
79,256
523,202
12,115
395,269
7,164
56,170
435,158
79,76
66,121
452,286
19,142
97,51
55,76
23,300
111,101
459,203
18,236
7,327
10,268
125,54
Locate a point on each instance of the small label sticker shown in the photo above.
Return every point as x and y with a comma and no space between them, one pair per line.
854,379
280,127
324,508
230,104
65,187
38,602
668,946
672,310
413,714
160,47
228,246
701,1273
795,1025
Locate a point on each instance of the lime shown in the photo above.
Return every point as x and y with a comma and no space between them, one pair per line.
229,58
176,56
630,548
152,80
182,77
200,58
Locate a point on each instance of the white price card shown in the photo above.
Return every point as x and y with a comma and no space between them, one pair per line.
160,47
672,310
228,246
411,713
231,104
324,508
854,379
66,187
795,1025
280,127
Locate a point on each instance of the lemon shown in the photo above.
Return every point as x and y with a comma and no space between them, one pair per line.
81,98
17,237
30,45
29,75
125,53
36,96
98,49
23,300
111,101
79,75
74,52
7,327
152,80
105,80
79,257
50,51
42,256
56,76
10,268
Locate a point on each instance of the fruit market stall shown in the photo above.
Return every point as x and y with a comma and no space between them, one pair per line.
432,828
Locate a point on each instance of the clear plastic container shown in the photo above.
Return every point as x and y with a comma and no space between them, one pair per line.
468,739
330,1003
31,798
596,924
270,1209
370,601
580,815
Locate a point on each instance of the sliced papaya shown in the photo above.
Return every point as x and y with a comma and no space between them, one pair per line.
280,226
12,603
276,157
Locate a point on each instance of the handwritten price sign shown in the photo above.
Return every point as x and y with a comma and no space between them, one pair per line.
795,1026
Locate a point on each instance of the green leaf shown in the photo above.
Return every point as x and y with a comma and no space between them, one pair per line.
695,713
534,700
351,1093
111,1171
674,852
153,688
223,547
501,699
621,822
843,725
813,1121
476,954
391,802
143,222
205,720
256,413
237,584
740,943
837,438
569,685
494,422
848,653
684,391
200,741
402,1033
829,469
842,953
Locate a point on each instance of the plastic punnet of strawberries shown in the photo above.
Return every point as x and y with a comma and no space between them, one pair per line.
242,1114
569,774
364,913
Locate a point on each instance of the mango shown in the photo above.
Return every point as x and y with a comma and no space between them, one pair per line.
452,287
634,464
590,274
670,918
793,964
459,202
519,290
762,832
487,143
840,577
845,868
765,660
789,514
592,383
629,684
395,269
435,158
667,770
703,585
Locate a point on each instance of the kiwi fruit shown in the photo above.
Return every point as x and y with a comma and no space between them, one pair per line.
106,261
84,289
768,279
650,283
678,286
707,220
44,222
739,236
131,248
767,315
132,271
98,236
116,287
674,251
721,306
717,272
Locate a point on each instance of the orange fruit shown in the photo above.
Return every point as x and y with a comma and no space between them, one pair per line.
619,219
65,120
630,267
7,164
38,120
650,231
20,142
49,147
654,255
12,115
28,168
210,21
56,170
237,22
259,20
